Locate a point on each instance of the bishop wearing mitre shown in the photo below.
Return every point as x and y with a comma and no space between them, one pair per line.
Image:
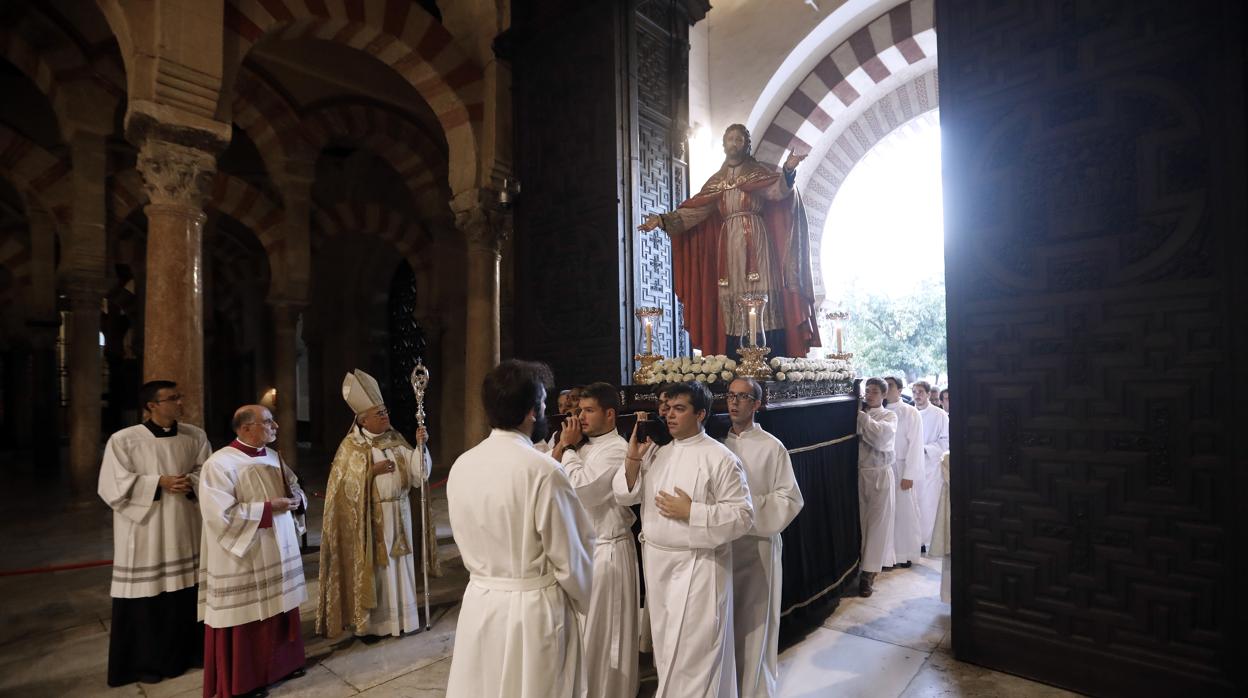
368,564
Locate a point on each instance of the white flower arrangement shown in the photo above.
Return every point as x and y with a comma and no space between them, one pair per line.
719,369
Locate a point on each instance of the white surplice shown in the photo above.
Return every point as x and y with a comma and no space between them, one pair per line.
397,610
610,630
907,465
756,558
941,545
877,428
248,573
528,545
688,564
935,444
155,540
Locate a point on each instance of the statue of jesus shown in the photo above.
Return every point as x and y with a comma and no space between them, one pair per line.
744,232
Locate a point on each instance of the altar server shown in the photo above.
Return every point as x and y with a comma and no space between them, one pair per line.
610,630
149,477
877,428
251,579
527,544
935,444
908,469
368,563
695,501
756,570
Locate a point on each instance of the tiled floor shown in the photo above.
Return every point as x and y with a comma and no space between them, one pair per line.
54,626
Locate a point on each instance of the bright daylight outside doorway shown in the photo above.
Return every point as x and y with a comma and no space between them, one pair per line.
888,219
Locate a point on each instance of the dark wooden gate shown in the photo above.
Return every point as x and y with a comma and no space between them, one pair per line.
1095,252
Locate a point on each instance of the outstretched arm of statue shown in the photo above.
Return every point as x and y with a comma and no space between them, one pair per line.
652,221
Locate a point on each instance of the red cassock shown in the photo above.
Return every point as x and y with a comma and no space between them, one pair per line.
699,262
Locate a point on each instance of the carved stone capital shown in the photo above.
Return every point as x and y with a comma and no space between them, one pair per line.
481,220
176,175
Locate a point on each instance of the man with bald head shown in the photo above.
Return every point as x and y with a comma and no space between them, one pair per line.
251,571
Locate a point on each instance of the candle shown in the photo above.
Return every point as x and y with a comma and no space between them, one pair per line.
837,332
649,336
753,326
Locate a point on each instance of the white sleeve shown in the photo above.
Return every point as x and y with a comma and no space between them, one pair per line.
619,486
728,514
914,458
878,433
594,480
776,509
567,537
233,524
122,489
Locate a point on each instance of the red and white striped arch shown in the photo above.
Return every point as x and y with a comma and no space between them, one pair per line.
373,219
419,160
36,173
270,122
896,43
399,33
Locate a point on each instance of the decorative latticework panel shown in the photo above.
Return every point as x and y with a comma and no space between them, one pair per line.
1094,212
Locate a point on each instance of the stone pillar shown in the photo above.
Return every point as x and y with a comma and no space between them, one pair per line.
82,334
285,324
36,407
484,228
177,179
291,273
84,284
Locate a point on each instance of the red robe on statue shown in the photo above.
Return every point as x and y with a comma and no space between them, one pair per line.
700,258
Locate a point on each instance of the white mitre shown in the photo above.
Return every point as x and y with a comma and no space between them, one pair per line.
361,392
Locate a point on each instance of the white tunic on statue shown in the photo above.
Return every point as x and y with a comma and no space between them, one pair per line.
528,545
756,558
877,499
610,630
907,465
397,610
155,541
688,564
248,573
935,444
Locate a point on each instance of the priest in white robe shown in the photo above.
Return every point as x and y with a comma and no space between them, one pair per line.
591,452
695,501
148,478
908,469
877,429
756,557
935,445
251,577
527,544
368,550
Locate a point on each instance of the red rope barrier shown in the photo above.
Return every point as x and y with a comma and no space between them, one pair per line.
57,568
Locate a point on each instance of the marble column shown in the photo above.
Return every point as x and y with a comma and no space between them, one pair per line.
37,406
82,334
177,178
285,355
483,228
85,285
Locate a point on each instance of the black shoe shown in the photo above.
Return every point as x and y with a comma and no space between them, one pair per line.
370,639
864,584
258,693
296,674
904,565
